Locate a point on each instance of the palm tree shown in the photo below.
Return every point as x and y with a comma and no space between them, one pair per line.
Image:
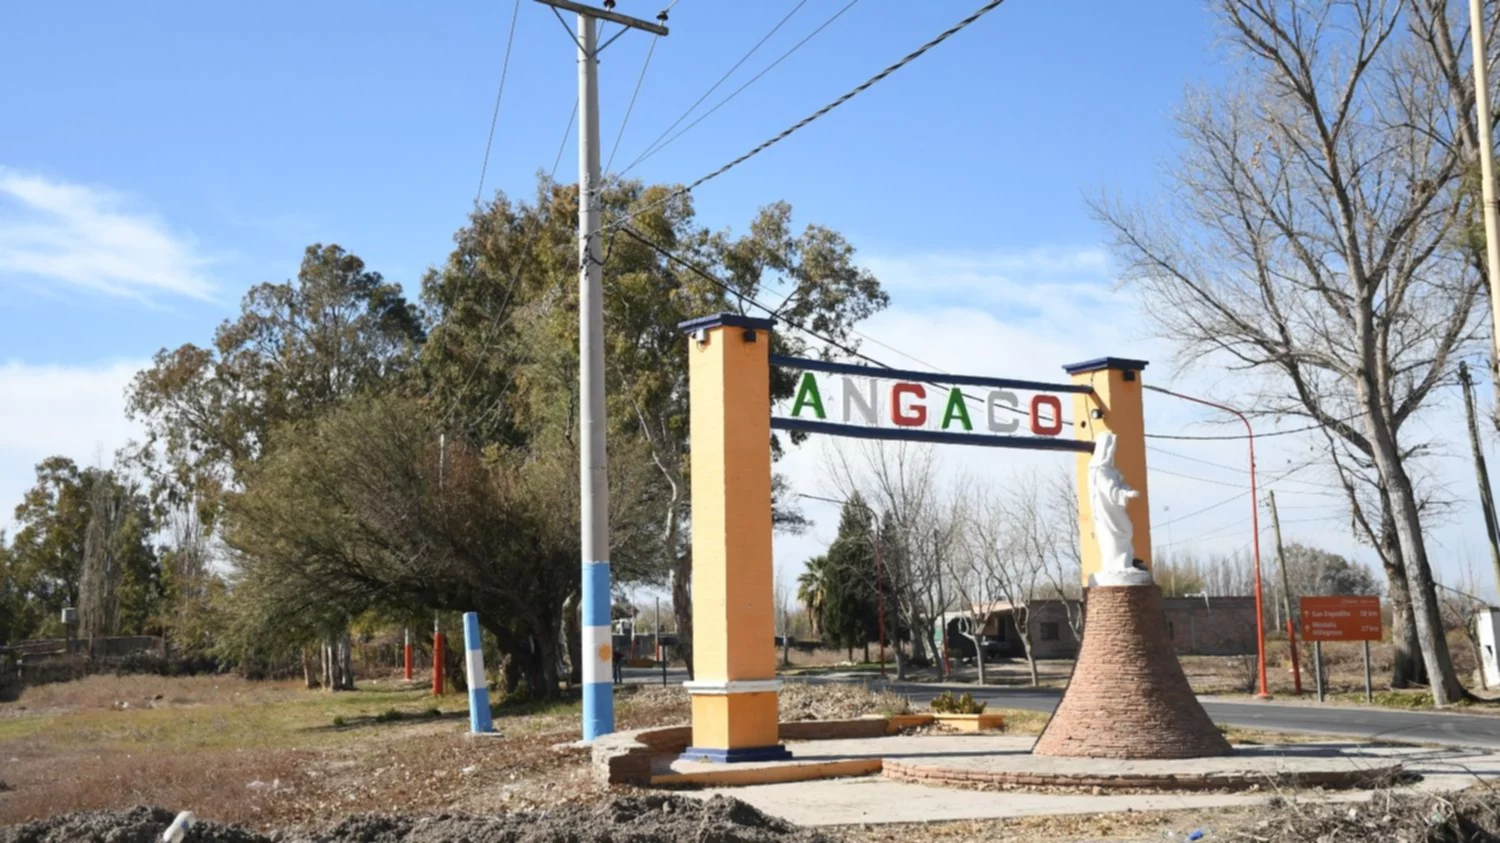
812,591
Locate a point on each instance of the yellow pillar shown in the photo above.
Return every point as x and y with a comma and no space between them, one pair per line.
1114,406
734,649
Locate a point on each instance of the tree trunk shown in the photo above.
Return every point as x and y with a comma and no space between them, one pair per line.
1407,668
682,606
309,676
979,656
325,654
572,619
1426,617
1030,659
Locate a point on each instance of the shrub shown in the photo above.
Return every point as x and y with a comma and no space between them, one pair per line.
388,716
338,721
946,703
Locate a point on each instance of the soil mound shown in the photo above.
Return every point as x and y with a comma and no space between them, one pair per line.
629,819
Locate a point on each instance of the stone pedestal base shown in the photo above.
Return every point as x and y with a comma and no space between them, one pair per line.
1128,697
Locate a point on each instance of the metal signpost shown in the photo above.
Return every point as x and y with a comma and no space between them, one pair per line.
1342,618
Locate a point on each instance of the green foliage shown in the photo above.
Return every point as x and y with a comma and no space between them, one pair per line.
339,722
434,711
296,350
849,615
362,457
1317,571
390,715
69,513
947,703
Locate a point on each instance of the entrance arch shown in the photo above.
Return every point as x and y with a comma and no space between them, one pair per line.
734,692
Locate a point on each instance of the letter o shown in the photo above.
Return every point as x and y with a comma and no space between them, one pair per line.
1051,428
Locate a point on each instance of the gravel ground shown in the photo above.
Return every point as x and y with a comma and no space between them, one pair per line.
631,819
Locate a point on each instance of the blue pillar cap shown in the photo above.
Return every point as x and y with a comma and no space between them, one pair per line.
726,320
1101,363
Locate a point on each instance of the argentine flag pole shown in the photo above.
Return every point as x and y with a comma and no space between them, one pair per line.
479,691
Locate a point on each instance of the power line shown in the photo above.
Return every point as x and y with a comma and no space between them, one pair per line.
789,131
495,117
1268,484
1229,437
849,350
1328,490
628,109
650,151
515,277
651,147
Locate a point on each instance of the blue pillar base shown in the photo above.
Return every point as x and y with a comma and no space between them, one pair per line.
737,756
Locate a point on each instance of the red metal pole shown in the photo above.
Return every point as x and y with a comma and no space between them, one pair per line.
1291,636
1260,615
406,655
437,660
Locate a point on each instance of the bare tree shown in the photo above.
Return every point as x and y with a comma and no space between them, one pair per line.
1312,241
900,482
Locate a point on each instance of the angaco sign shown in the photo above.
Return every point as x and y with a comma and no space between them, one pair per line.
876,403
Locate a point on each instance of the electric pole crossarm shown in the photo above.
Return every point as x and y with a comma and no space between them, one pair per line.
606,14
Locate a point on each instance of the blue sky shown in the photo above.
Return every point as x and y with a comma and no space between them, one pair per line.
156,160
250,131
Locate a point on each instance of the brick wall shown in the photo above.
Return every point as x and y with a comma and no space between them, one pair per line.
1220,626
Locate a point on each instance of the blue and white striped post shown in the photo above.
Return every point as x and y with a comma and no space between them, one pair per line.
598,657
479,691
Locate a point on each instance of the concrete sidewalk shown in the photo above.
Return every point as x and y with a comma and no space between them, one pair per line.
876,800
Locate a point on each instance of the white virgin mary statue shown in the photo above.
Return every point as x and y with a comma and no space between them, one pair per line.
1108,496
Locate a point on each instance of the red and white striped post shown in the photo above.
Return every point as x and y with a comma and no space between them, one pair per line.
406,655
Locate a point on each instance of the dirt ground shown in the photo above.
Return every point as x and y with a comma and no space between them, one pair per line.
269,756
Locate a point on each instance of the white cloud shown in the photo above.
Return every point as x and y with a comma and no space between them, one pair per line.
1044,282
91,237
72,411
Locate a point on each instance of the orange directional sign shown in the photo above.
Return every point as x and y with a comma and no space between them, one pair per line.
1341,618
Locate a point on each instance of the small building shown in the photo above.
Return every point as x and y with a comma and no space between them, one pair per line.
1198,626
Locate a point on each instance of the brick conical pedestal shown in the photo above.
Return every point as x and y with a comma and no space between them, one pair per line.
1128,697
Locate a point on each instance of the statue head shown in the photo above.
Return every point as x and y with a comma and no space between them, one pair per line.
1104,450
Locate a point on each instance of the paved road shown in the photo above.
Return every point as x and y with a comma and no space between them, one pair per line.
1370,723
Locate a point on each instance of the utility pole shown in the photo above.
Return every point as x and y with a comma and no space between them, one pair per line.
598,688
879,599
937,560
1481,471
1286,595
1486,167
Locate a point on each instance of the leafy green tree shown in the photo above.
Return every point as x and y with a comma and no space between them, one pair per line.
365,511
1315,571
811,593
64,519
502,357
296,351
850,615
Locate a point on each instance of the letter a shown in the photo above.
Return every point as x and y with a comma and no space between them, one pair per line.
956,409
808,395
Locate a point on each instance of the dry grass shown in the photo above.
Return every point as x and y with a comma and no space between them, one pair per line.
269,753
275,754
